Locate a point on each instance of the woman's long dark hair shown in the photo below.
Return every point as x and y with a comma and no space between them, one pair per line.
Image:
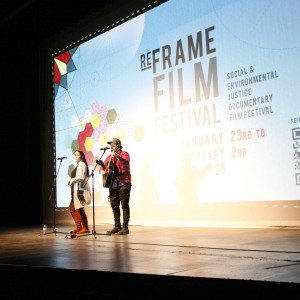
82,156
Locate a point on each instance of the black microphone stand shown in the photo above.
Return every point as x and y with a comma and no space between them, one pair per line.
54,203
93,199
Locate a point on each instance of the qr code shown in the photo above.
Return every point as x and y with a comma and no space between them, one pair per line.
296,147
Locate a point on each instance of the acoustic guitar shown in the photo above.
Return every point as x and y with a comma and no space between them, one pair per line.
108,176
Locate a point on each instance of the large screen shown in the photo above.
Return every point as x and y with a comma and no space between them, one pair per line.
204,96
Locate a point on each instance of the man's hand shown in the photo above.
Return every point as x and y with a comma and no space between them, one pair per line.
100,163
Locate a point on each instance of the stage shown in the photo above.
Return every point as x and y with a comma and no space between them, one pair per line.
151,263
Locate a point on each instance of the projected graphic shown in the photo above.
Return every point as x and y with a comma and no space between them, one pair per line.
203,95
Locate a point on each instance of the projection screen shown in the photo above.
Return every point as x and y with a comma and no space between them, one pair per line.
204,95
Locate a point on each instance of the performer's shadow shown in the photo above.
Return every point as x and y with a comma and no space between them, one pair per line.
188,178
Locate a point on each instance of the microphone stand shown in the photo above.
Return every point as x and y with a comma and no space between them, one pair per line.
93,199
54,203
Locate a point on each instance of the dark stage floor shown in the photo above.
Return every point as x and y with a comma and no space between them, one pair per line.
151,263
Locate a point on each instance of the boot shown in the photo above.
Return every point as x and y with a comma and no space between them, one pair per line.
124,230
84,229
84,222
126,216
115,229
77,219
117,226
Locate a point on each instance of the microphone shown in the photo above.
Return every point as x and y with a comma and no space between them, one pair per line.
105,148
61,158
